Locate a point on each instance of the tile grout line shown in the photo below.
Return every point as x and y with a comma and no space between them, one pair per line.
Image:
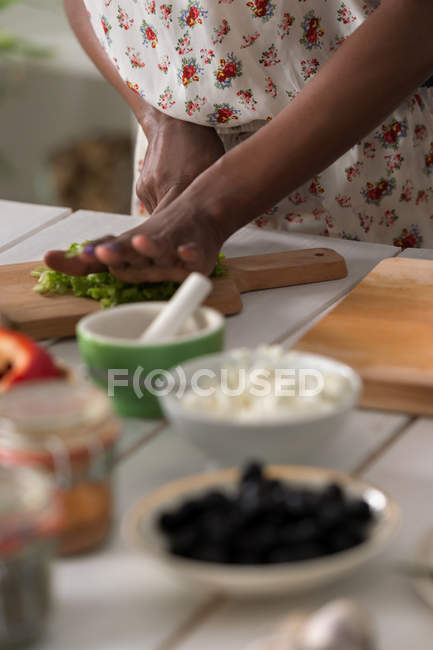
141,443
204,611
380,451
35,231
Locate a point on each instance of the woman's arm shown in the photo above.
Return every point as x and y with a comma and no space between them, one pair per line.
79,20
377,67
164,176
372,72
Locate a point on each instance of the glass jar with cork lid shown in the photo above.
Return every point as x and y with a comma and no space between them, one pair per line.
69,431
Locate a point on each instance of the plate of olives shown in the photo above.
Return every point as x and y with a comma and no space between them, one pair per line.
263,530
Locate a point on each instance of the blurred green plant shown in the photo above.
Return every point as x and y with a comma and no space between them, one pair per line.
15,46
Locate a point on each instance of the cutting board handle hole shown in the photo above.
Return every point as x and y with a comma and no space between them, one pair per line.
319,254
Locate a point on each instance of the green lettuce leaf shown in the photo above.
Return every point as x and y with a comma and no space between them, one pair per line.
104,287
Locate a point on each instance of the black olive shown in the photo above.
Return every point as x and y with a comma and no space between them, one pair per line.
252,472
185,543
359,510
331,514
211,553
333,492
266,521
303,531
216,500
169,522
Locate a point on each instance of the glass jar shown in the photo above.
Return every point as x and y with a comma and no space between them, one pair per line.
29,520
69,431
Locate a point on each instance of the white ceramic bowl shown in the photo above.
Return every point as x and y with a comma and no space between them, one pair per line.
140,529
289,440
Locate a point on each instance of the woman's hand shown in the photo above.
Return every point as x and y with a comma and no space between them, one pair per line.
177,153
174,241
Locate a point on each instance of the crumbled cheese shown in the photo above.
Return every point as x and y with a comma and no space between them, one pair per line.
262,385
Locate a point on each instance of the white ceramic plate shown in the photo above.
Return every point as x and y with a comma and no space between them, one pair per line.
253,581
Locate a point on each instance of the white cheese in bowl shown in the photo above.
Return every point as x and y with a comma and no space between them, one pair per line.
268,383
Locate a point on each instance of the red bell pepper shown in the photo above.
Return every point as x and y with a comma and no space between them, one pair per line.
21,359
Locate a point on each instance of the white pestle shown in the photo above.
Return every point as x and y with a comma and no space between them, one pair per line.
190,295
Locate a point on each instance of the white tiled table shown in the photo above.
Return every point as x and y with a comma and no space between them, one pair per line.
19,221
118,600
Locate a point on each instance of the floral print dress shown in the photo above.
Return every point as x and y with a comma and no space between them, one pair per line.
235,64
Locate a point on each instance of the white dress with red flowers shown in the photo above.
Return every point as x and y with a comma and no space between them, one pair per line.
234,64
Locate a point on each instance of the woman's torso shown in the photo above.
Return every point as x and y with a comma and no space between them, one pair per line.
222,63
236,63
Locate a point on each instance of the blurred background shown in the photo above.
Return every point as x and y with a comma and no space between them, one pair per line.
65,136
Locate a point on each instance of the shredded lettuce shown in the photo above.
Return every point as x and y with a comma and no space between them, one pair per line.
75,249
104,287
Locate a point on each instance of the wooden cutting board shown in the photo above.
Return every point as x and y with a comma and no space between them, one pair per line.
384,329
56,316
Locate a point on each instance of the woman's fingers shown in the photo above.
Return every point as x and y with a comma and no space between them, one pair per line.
133,257
82,264
140,249
160,253
145,246
72,265
189,253
120,252
88,252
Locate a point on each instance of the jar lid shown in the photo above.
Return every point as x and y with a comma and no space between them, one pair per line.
28,508
39,418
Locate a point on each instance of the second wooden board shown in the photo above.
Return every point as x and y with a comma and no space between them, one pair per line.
384,329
